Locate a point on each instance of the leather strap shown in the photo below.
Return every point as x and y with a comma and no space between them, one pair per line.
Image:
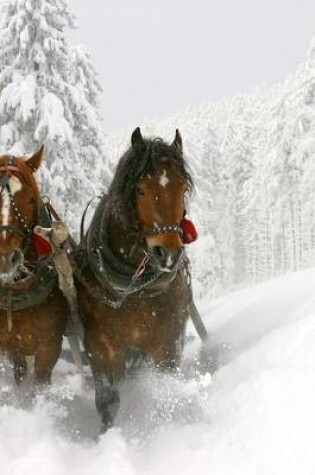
36,292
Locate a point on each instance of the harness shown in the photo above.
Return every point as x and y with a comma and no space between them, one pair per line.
16,297
117,280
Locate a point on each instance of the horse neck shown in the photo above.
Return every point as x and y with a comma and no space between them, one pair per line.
111,235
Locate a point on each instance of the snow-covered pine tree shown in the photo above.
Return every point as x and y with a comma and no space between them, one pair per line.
49,95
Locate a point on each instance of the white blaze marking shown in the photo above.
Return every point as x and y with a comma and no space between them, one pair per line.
164,180
5,210
15,186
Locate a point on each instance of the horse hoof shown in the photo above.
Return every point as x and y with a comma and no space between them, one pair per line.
105,426
102,430
107,405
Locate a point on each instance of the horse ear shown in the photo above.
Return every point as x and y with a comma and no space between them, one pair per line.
178,142
137,141
35,161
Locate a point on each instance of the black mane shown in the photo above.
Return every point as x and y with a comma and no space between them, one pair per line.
134,165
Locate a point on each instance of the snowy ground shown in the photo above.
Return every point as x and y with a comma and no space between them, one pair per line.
255,416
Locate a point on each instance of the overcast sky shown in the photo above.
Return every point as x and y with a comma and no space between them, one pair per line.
154,58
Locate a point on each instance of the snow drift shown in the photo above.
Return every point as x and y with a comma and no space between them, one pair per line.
254,416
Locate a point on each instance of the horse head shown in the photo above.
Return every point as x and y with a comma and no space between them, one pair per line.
157,179
19,205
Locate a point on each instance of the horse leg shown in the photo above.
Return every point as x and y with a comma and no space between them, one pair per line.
107,399
167,359
168,356
46,357
19,367
108,368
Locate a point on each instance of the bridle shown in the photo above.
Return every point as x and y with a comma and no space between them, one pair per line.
121,280
164,229
39,287
26,229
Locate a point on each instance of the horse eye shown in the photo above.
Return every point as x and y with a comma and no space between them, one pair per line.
140,192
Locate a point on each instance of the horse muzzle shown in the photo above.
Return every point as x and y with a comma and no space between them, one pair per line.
9,264
165,259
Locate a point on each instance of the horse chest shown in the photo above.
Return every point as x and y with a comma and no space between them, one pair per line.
142,321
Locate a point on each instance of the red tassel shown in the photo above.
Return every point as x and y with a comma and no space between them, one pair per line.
189,231
40,245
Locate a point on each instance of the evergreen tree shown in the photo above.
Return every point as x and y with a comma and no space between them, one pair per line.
49,95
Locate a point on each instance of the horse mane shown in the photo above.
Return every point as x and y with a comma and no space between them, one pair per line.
134,165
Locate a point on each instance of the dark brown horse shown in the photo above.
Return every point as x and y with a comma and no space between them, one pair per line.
33,312
132,286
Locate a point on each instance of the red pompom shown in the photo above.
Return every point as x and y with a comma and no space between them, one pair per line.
189,231
40,245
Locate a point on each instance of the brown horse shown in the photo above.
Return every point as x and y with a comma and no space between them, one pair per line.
133,288
33,311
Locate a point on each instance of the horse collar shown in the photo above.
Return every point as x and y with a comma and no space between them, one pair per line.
118,277
13,297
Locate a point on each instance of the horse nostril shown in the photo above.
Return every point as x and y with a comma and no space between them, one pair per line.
159,252
15,257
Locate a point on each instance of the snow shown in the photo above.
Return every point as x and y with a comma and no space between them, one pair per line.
52,119
20,93
255,415
252,163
